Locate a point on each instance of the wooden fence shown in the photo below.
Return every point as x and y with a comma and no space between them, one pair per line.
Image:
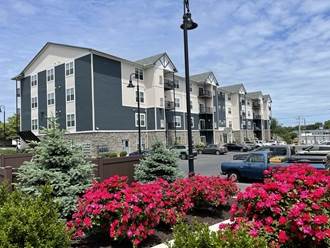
105,167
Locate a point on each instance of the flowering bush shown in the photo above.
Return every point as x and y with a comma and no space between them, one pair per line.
291,208
132,212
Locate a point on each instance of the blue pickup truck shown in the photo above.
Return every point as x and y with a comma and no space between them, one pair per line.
253,166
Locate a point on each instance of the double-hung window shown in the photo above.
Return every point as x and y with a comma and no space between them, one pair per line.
177,102
70,94
34,102
142,120
141,96
50,74
138,73
51,98
70,120
69,69
177,121
34,80
34,124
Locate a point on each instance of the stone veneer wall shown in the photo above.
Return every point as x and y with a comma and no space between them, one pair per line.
183,137
114,140
218,137
241,134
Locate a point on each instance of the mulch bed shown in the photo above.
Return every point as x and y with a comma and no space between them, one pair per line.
208,216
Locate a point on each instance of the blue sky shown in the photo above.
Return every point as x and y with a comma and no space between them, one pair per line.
279,47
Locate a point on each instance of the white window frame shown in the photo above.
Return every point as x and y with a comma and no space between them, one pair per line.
161,102
34,104
141,96
139,74
70,94
192,122
142,120
50,99
229,110
34,126
177,121
177,101
34,80
69,68
160,79
70,120
50,75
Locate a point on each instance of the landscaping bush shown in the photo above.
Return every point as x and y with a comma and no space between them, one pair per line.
162,162
123,154
60,164
30,222
199,235
113,155
291,208
132,212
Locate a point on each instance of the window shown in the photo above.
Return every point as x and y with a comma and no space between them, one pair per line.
176,84
70,120
161,101
160,79
192,122
190,89
138,73
230,124
50,122
249,114
34,124
50,74
69,69
243,102
256,158
34,102
141,96
51,98
191,105
229,110
228,97
142,120
34,80
177,102
177,121
248,102
70,94
215,124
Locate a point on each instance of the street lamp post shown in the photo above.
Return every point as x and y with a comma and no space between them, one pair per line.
3,109
188,24
130,85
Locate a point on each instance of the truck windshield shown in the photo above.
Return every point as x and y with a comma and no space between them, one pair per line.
255,158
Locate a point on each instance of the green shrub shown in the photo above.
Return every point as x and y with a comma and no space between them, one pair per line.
31,222
58,163
123,154
161,162
7,151
113,155
198,235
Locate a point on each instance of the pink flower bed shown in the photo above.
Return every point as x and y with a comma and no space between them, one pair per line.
132,212
292,207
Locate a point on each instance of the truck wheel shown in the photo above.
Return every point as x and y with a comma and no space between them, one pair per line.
233,176
183,156
217,152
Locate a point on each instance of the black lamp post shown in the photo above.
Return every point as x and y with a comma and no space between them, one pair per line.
3,109
130,85
188,24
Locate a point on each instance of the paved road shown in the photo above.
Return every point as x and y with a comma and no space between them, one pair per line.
209,165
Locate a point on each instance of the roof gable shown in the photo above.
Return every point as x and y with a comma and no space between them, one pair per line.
161,59
235,88
207,77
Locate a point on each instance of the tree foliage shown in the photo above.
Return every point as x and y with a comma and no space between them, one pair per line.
58,163
162,163
11,128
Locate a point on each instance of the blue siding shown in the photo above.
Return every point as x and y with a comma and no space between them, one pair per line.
83,90
26,104
60,101
42,100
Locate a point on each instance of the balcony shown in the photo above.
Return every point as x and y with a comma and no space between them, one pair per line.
205,126
168,84
169,105
256,117
256,104
204,93
205,110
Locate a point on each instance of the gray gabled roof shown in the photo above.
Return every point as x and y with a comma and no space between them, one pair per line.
254,95
152,60
202,77
267,96
235,88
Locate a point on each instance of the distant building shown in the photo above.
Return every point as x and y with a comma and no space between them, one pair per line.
315,137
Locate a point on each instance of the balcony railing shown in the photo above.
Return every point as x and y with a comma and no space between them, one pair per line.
205,110
204,126
256,105
169,105
168,84
204,93
256,117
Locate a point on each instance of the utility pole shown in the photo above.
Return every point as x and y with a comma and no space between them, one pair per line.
299,131
305,128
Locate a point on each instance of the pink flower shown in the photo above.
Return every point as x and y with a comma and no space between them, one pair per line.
282,237
321,219
282,220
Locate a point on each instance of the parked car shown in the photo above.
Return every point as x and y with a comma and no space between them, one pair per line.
253,166
236,147
214,149
250,145
136,153
182,151
283,151
315,150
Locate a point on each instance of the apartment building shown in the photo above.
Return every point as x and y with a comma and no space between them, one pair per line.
86,90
